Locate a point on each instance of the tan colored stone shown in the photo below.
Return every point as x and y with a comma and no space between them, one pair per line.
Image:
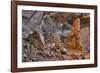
73,41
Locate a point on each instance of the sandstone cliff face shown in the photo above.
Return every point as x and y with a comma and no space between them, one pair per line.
51,36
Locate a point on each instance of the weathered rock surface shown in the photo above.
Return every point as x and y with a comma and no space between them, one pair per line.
33,23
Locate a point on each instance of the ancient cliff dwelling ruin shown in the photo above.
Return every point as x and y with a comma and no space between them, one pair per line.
53,36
